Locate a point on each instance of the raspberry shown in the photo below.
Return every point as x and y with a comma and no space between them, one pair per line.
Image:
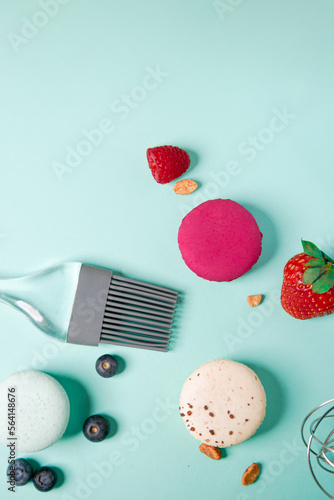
167,163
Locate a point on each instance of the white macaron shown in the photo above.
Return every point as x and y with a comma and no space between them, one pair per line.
34,411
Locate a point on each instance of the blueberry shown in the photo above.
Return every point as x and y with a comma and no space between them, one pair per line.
19,471
44,479
106,365
96,428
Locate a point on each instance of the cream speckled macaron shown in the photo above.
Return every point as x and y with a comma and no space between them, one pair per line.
222,403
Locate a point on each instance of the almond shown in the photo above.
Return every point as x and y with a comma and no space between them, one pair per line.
211,451
186,186
250,474
254,300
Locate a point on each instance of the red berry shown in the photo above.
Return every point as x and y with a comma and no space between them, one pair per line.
167,163
297,298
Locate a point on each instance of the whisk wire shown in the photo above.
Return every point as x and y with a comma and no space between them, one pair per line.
321,457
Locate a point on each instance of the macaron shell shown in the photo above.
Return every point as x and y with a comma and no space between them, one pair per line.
42,410
219,240
222,403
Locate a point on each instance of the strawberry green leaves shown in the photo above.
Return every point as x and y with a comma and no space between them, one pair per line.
319,271
311,275
315,263
312,250
323,284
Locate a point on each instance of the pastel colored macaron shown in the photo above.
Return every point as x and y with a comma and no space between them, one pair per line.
37,407
219,240
222,403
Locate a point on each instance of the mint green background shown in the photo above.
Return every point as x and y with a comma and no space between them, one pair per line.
225,78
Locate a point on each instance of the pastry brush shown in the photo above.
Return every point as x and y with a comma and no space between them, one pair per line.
88,305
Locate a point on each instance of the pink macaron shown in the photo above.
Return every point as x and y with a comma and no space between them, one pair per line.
219,240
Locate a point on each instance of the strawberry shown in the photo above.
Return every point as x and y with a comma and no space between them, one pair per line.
167,162
308,284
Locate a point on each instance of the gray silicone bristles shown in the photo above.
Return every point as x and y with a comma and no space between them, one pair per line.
115,310
138,314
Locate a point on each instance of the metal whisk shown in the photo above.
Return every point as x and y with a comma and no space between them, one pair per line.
320,452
